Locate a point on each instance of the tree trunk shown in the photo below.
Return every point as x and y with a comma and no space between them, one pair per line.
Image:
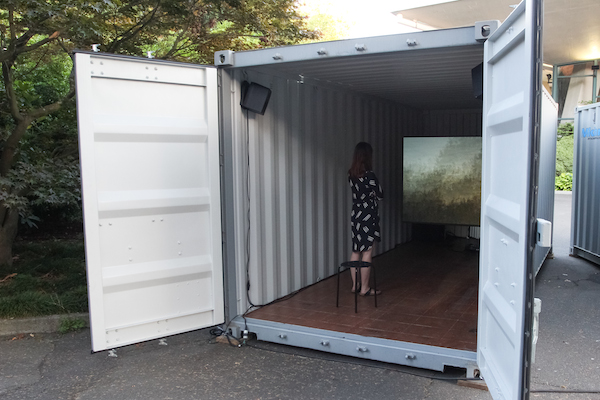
8,232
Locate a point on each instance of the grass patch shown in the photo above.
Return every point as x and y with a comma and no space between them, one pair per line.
50,279
71,325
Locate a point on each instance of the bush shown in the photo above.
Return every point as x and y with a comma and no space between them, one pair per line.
564,155
47,277
564,181
565,129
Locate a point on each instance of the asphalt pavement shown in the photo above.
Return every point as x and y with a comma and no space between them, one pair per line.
192,366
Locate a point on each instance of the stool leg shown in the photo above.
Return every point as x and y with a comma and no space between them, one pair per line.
356,280
337,299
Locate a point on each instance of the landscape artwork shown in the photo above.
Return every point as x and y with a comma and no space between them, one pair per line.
442,180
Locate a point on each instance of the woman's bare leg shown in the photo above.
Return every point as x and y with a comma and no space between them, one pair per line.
354,257
366,272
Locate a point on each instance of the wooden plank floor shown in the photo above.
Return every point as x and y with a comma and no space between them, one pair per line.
429,296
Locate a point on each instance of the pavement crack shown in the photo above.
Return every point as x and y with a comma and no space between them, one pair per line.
44,360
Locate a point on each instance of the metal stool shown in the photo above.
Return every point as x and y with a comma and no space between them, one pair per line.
358,265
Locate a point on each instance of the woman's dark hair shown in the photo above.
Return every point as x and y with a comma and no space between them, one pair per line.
362,161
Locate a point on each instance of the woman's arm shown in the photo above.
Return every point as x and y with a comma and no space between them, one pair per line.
374,182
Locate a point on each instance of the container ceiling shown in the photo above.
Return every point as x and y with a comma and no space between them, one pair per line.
438,78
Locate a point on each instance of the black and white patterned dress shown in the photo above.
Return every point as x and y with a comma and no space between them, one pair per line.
364,218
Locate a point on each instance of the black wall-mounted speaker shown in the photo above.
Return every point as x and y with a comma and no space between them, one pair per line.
477,80
255,97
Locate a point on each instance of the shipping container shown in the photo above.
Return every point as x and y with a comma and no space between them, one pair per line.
585,230
197,209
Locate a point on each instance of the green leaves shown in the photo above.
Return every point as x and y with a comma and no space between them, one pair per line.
49,181
564,181
38,139
564,154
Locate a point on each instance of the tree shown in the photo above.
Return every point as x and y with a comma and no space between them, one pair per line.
321,19
38,158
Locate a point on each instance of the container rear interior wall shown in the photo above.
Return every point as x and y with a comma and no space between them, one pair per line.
292,217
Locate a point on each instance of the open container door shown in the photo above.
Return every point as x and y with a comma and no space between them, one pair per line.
511,128
148,134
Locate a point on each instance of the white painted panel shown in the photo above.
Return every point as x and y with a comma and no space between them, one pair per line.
150,172
505,254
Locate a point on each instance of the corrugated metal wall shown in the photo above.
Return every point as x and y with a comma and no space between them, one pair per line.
585,229
299,202
452,123
547,168
295,218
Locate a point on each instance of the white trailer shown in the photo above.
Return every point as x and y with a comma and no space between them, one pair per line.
187,196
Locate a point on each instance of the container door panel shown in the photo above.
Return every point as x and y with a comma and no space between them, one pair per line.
509,173
148,133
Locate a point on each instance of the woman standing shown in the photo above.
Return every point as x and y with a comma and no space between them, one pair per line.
364,218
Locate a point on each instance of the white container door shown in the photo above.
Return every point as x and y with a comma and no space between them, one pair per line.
148,134
508,202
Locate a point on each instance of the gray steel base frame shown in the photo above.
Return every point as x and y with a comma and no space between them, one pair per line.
385,350
586,254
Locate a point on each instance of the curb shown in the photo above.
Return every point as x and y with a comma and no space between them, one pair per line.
48,324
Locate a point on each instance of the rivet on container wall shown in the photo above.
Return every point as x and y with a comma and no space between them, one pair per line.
360,47
277,56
